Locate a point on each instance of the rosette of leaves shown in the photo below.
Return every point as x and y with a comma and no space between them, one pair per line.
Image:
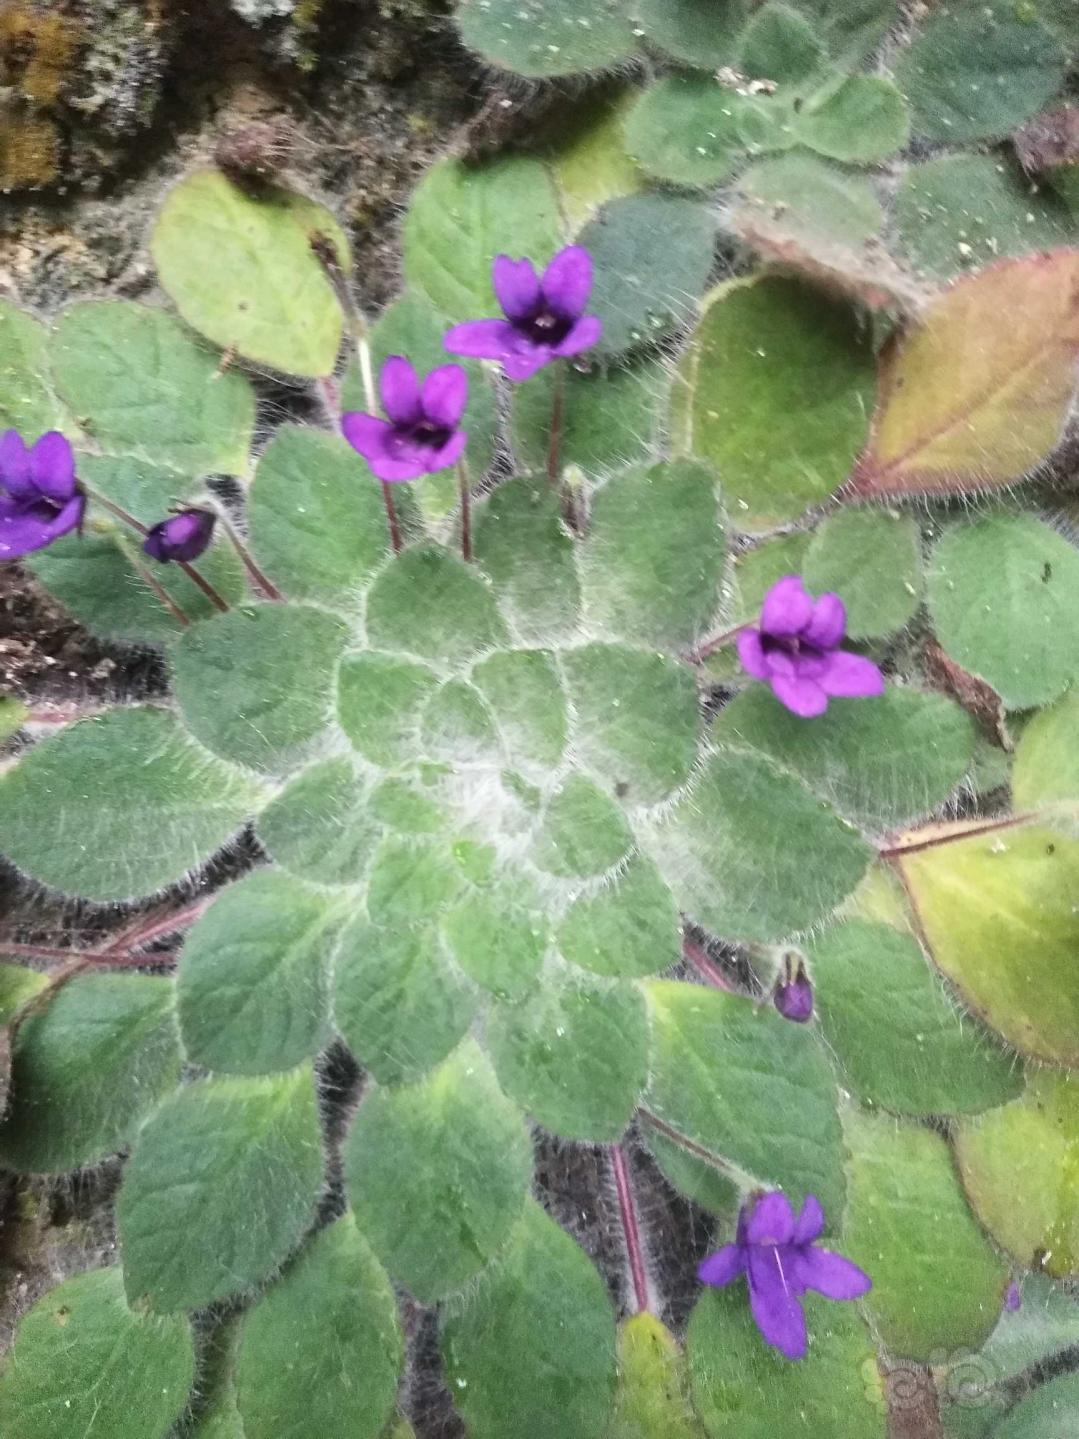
492,806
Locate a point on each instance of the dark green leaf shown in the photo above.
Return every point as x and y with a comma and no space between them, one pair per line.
253,983
510,1368
237,1163
399,1001
86,1069
119,805
84,1366
317,522
320,1352
255,685
751,1088
574,1054
456,1140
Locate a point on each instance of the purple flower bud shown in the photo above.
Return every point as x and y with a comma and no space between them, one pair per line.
421,433
182,536
545,317
1012,1298
777,1254
796,650
40,498
793,996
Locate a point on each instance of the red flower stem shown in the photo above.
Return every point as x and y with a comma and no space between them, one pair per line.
630,1228
391,516
709,647
145,931
124,948
189,570
330,394
705,967
690,1146
554,444
466,511
261,582
116,954
182,618
914,845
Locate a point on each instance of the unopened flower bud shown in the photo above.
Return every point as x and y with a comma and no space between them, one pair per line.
182,536
793,996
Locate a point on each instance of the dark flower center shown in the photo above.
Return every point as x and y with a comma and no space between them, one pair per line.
789,645
426,432
545,327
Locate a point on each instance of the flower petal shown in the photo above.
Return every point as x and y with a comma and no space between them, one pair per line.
810,1223
751,653
15,465
523,365
828,623
517,287
810,664
830,1274
445,395
772,1220
567,281
583,336
802,697
851,676
24,530
400,390
52,467
449,454
723,1266
773,1302
394,469
366,433
787,609
482,339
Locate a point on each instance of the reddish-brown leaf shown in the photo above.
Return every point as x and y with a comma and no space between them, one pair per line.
976,395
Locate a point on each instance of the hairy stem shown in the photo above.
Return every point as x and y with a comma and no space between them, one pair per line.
913,845
630,1228
329,393
705,966
554,443
123,948
119,952
259,579
692,1147
161,594
391,517
709,647
466,511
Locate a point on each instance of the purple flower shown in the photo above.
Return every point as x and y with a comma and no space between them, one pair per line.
420,434
1013,1299
793,996
545,318
40,498
776,1253
796,650
183,536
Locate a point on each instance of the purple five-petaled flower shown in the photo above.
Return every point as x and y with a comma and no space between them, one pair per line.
421,432
545,317
796,650
183,536
777,1253
40,498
